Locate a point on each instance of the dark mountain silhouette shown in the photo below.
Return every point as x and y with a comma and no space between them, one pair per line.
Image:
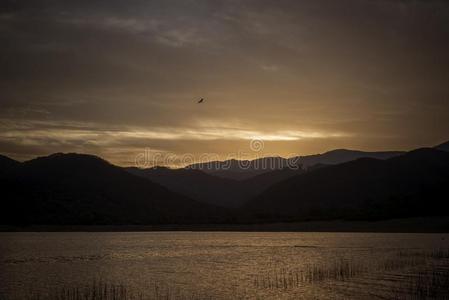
237,174
7,164
207,183
242,169
197,185
339,156
260,183
443,146
84,189
213,189
245,169
413,184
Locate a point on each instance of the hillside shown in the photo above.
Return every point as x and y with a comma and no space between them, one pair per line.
84,189
212,189
443,146
245,169
413,184
197,185
7,164
340,156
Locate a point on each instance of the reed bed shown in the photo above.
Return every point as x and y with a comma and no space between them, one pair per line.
432,283
433,254
440,254
400,262
339,270
418,274
108,291
424,285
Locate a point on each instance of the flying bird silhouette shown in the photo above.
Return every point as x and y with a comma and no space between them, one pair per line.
201,100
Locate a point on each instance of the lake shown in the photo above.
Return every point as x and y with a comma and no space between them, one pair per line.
224,265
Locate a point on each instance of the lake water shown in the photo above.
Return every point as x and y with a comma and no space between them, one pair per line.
217,265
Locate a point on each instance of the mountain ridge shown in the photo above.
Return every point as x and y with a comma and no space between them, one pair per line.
366,188
71,188
232,168
81,189
443,146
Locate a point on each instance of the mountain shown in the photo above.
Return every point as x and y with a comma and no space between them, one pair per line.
6,164
197,185
245,169
257,184
413,184
262,182
212,189
84,189
339,156
443,146
241,169
231,183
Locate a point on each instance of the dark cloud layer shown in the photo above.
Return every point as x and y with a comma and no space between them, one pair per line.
116,77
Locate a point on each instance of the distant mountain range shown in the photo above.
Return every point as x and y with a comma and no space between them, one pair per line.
340,156
231,183
213,189
84,189
197,185
244,169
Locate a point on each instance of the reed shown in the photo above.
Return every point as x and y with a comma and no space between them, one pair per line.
433,284
108,291
429,271
283,278
422,275
433,254
440,254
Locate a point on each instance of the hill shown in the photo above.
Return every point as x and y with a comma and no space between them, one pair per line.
197,185
231,183
84,189
340,156
212,189
76,189
241,169
443,146
245,169
7,164
409,185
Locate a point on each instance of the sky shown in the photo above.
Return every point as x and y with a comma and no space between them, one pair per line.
121,79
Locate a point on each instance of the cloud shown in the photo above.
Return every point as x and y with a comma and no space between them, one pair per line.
48,136
34,131
315,75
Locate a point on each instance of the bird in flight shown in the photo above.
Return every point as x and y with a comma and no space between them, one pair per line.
201,100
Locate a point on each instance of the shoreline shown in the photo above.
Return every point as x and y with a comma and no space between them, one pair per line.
409,225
